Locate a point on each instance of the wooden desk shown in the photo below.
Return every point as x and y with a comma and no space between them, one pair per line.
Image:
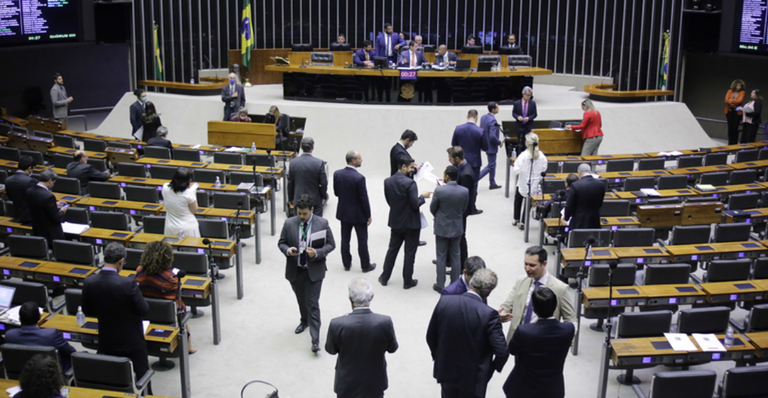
191,286
241,134
760,341
551,225
620,176
99,236
77,392
9,227
171,163
753,216
697,213
609,93
201,148
246,217
712,251
557,141
574,257
732,189
124,181
733,291
663,193
43,124
68,198
126,206
187,88
71,152
220,247
641,255
622,296
600,159
655,216
538,199
19,267
140,240
694,171
656,350
685,152
673,294
69,274
121,155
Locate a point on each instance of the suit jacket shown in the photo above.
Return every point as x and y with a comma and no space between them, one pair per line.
34,335
517,110
359,57
160,141
491,132
232,104
469,137
307,176
289,237
519,294
136,111
456,287
85,173
467,180
448,205
117,303
16,187
582,208
404,201
361,338
349,187
380,44
452,57
405,59
540,349
758,107
395,153
46,217
59,101
467,342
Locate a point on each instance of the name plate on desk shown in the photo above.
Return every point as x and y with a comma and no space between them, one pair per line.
408,75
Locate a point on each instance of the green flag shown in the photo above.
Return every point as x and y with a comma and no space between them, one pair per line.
158,61
246,35
664,62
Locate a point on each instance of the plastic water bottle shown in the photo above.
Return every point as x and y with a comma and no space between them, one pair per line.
728,342
253,147
181,234
192,81
514,153
218,183
589,253
81,317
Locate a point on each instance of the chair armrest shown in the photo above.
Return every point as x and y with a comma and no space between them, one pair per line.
57,307
141,383
696,278
185,319
661,243
639,391
614,190
69,374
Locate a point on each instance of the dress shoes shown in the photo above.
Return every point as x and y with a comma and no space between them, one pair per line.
495,186
437,288
315,347
476,212
414,283
382,281
347,268
422,243
220,276
302,327
434,262
370,268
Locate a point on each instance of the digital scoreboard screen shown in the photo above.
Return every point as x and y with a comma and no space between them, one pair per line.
38,21
753,31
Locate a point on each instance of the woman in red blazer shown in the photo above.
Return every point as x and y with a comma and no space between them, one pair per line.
591,129
733,100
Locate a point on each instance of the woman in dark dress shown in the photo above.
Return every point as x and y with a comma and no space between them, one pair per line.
151,122
751,117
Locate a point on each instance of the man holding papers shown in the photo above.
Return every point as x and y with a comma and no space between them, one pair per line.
306,240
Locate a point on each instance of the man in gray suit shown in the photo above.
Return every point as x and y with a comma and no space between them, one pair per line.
233,96
306,176
448,204
361,338
59,99
306,241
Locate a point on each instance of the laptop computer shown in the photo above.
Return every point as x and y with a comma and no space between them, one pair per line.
6,297
463,64
484,66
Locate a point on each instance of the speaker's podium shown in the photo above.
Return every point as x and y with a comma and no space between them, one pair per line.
241,134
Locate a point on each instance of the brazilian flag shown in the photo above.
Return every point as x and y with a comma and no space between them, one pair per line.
246,35
158,61
664,68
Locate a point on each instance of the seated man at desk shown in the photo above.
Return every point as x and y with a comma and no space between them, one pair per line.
364,56
341,39
413,58
31,334
161,140
80,169
445,57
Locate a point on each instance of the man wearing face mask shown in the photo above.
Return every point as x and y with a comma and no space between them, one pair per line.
137,110
233,96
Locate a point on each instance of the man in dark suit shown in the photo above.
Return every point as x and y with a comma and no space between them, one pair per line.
137,111
466,339
461,285
340,39
445,57
31,334
46,216
469,136
161,139
524,111
404,220
363,57
306,176
407,139
448,204
233,96
582,208
353,210
490,127
16,187
306,241
512,41
467,180
388,43
117,303
540,350
361,338
80,169
413,58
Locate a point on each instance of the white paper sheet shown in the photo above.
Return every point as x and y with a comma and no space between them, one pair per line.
316,236
425,172
423,218
680,342
234,149
650,191
146,326
139,134
13,390
74,229
708,342
196,146
671,153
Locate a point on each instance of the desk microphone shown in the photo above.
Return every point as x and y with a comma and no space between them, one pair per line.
587,243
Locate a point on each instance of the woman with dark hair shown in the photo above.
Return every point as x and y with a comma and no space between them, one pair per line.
151,121
180,201
155,277
136,112
40,378
733,99
752,119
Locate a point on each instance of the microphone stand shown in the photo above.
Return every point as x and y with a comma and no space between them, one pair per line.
605,360
238,253
529,199
257,221
214,273
580,275
182,317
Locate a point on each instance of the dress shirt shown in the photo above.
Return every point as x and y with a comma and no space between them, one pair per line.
389,44
464,281
471,292
108,269
41,185
543,282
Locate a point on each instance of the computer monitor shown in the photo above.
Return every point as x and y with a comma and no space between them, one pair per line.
302,47
381,62
463,64
6,297
341,47
484,66
510,50
472,50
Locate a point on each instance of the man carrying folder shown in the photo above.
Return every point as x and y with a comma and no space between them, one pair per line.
306,240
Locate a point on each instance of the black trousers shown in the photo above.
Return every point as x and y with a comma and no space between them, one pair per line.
308,298
361,230
749,132
518,204
733,119
449,391
396,239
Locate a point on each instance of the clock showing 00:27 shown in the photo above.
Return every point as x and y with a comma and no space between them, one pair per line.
407,75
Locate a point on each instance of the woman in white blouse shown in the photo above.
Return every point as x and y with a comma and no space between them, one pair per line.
523,171
180,200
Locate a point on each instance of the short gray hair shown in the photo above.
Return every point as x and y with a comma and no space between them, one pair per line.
48,175
360,292
351,156
242,110
113,253
484,281
162,131
528,89
307,144
584,168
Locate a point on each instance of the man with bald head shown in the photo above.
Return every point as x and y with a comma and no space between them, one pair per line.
444,57
353,210
80,169
582,210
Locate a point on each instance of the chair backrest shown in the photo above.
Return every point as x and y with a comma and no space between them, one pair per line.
98,164
663,201
94,145
28,246
132,258
225,200
154,224
549,186
37,156
3,176
66,251
554,124
202,175
615,208
28,291
203,199
644,324
157,152
194,263
15,356
715,159
734,232
703,320
688,384
237,177
571,167
73,298
495,59
627,237
743,201
690,234
650,164
60,160
748,155
109,220
228,158
103,372
116,144
742,177
758,318
667,274
519,60
63,140
620,165
161,311
261,160
718,178
213,229
77,215
189,155
553,167
104,190
43,134
131,170
578,237
637,183
673,182
162,172
142,194
321,58
67,185
760,270
728,270
745,382
689,161
623,275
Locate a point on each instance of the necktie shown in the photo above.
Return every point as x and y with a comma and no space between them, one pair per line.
366,57
413,59
303,255
525,108
529,309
